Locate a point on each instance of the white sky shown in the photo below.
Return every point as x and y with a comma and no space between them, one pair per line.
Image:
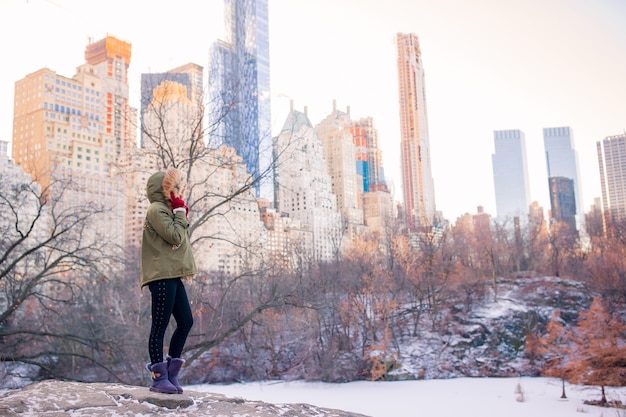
489,64
467,397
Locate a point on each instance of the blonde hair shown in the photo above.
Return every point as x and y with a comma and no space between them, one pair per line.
174,181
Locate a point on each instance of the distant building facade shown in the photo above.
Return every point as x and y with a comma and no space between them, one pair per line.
612,164
562,162
190,76
76,130
377,199
417,179
240,90
354,164
304,188
594,220
233,238
535,217
510,175
478,224
340,156
563,201
373,171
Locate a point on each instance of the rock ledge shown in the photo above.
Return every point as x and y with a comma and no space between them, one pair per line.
65,399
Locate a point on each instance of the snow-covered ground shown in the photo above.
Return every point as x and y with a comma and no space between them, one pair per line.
466,397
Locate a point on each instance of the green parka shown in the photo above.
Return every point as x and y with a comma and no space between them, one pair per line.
165,248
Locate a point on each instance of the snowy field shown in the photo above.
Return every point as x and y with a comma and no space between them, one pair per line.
466,397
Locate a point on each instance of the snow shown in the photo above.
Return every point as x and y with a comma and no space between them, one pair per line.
467,397
502,307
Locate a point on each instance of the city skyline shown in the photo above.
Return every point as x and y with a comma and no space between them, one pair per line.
498,65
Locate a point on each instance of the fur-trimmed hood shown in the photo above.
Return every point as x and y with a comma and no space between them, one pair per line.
161,184
173,181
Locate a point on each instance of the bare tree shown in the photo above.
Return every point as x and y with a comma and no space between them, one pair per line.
606,265
564,247
469,285
435,270
536,246
51,263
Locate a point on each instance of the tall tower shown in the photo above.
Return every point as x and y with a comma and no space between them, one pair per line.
417,180
510,175
111,58
562,162
240,97
611,161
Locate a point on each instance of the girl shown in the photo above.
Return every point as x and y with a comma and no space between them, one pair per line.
166,258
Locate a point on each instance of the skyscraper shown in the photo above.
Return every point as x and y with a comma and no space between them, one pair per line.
189,76
354,164
111,59
563,200
417,180
510,175
373,171
76,130
240,96
304,190
562,162
340,156
377,200
611,161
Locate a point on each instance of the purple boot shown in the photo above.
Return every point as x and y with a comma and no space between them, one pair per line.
173,367
160,381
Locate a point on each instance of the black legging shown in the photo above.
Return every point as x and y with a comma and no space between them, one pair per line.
169,298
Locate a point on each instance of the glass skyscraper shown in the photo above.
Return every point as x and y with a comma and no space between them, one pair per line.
563,200
510,175
239,79
562,162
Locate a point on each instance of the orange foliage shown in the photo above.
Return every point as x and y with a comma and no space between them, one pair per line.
600,348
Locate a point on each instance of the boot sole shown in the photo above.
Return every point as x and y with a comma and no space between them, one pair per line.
162,391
